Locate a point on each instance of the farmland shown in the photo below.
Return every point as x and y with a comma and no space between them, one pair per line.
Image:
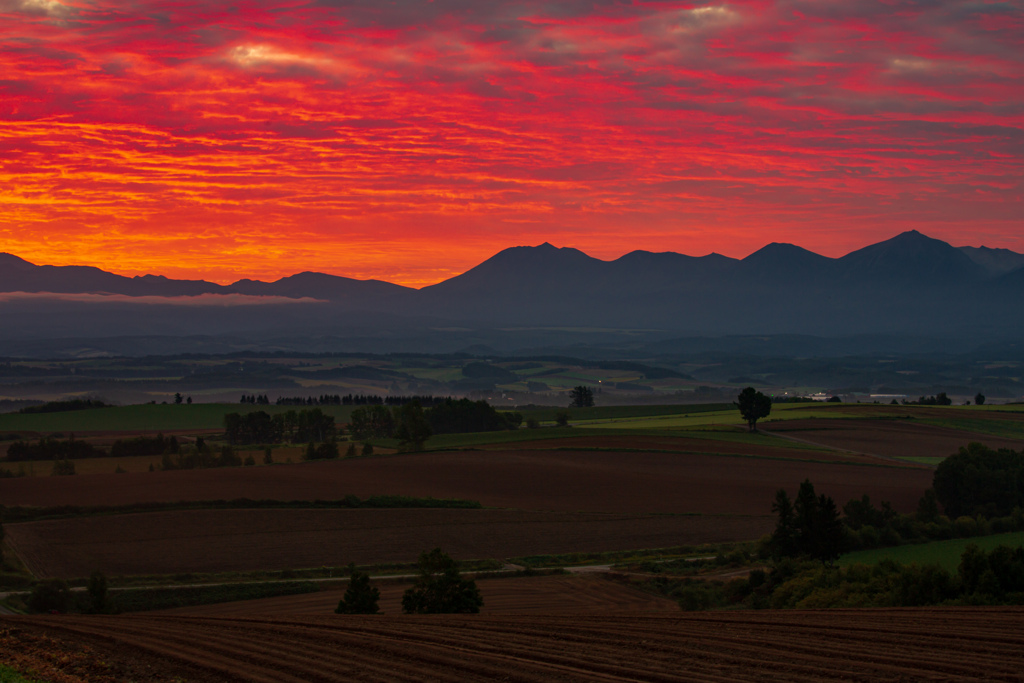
570,480
566,594
601,485
859,645
214,541
944,553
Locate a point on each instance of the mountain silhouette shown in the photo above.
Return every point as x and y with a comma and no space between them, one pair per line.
911,257
910,284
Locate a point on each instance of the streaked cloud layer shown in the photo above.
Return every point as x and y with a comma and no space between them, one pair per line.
409,140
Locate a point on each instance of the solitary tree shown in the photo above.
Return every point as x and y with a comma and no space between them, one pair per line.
582,397
361,597
177,399
979,399
439,588
753,405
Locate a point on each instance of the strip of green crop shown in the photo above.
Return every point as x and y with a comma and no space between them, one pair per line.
945,553
29,514
144,599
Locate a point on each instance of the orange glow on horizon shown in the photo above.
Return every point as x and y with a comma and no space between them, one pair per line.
409,142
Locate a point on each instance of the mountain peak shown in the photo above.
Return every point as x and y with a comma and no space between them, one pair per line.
914,257
15,262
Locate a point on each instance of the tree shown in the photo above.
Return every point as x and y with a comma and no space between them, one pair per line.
828,532
440,589
582,397
413,429
562,418
177,399
361,597
979,399
97,588
978,480
928,507
806,510
784,539
372,422
753,405
52,595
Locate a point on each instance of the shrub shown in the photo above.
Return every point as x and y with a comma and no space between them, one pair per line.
97,589
52,595
361,597
440,589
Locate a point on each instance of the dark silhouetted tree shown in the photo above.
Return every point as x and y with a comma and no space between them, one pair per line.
412,427
178,399
928,507
979,399
562,418
361,597
52,595
97,588
784,538
440,589
828,532
581,397
753,405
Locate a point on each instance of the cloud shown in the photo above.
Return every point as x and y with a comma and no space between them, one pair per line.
204,300
365,138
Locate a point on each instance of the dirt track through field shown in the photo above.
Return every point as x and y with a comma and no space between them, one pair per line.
853,645
247,540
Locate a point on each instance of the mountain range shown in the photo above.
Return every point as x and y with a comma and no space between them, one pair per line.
908,285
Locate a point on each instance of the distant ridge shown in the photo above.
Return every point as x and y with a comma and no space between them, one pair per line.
910,284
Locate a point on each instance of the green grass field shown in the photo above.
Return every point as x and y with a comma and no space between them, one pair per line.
945,553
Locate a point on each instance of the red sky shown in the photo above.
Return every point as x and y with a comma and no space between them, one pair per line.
409,140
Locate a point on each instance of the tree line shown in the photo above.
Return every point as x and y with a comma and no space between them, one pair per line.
301,426
410,423
76,449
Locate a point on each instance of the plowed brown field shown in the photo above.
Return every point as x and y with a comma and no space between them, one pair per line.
565,481
579,594
244,540
686,445
850,645
890,438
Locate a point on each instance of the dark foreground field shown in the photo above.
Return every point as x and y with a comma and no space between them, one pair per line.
247,540
850,645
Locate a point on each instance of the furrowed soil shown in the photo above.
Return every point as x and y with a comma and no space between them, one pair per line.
580,595
852,645
245,540
890,438
564,481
